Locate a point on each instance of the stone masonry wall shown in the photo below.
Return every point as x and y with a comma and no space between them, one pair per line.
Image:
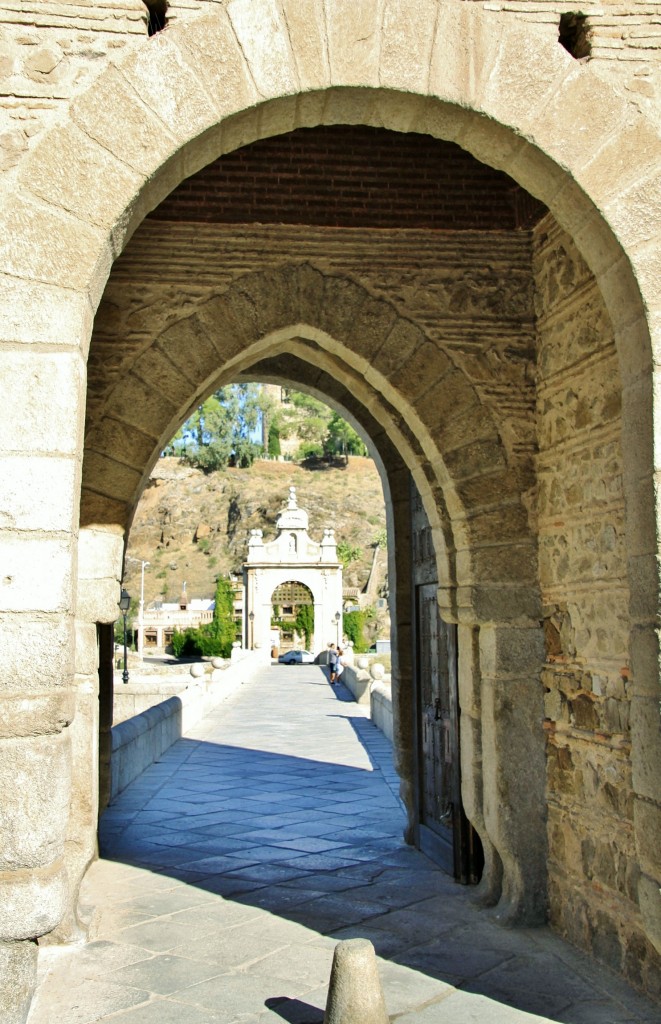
580,508
471,292
51,50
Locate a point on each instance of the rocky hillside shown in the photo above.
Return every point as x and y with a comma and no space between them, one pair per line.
190,526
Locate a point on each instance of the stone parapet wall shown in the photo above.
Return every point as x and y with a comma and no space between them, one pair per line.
381,708
139,695
140,740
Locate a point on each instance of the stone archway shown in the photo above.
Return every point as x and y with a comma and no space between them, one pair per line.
333,324
469,77
293,561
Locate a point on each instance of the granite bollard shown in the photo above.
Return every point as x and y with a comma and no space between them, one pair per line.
355,995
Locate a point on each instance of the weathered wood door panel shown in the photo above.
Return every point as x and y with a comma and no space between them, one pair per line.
440,786
442,830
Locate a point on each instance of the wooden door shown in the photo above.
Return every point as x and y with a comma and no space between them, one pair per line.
444,832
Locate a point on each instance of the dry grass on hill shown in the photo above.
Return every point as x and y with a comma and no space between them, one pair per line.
190,526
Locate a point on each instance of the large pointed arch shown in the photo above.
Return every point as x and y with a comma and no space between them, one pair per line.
206,87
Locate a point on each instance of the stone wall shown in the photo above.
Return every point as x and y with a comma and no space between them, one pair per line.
470,291
49,52
593,867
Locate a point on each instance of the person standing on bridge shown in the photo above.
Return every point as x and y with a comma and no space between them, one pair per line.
332,664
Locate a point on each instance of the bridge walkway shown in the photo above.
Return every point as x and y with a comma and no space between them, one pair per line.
232,867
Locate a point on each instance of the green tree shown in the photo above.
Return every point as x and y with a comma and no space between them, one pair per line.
223,429
353,626
342,439
222,625
274,441
216,638
347,553
304,623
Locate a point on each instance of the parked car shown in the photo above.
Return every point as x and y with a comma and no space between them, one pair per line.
296,658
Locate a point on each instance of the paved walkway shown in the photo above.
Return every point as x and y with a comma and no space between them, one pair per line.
231,868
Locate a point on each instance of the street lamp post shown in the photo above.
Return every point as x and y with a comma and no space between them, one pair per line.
141,621
338,618
252,630
124,605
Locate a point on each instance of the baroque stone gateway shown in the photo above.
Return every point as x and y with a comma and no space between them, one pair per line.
443,217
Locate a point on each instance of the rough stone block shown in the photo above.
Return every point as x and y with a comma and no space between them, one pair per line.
97,509
592,111
354,40
408,33
263,40
99,599
32,903
142,407
119,441
461,45
514,802
87,657
35,715
24,587
472,769
307,32
18,977
612,168
649,897
35,776
646,741
220,64
35,313
42,243
191,349
645,650
67,172
161,75
501,603
38,492
647,821
507,652
48,663
519,74
621,293
139,137
41,381
499,563
100,554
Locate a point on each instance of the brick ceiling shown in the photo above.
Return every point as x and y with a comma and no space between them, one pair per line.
348,176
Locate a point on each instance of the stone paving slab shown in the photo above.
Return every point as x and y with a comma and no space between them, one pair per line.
232,867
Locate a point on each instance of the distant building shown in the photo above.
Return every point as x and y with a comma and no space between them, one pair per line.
290,571
162,619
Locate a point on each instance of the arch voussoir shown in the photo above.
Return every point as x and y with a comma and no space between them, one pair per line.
220,62
263,39
354,42
139,138
407,40
306,28
70,178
